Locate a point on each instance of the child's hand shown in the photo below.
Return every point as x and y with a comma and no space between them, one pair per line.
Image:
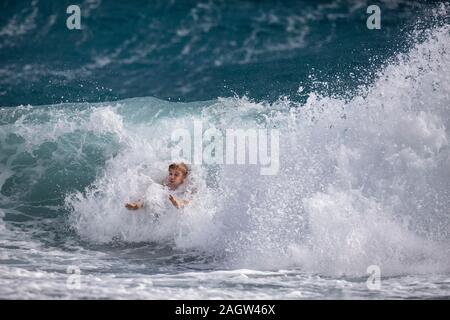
133,206
178,203
175,202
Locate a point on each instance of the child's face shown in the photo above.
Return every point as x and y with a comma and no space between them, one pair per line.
175,178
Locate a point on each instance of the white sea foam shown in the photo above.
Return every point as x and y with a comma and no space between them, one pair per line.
362,181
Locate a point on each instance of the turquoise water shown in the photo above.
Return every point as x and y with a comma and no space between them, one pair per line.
191,50
86,121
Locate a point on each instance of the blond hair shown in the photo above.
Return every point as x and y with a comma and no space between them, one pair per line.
181,167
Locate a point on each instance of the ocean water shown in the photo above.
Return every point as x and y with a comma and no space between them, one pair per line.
86,122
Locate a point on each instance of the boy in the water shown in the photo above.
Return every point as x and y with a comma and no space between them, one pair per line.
177,174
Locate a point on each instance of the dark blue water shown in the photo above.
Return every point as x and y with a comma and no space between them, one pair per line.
193,50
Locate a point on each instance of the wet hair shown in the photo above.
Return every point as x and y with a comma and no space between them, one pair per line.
181,167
